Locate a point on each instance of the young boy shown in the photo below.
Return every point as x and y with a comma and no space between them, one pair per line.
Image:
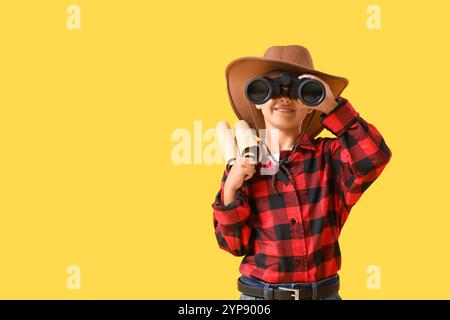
287,225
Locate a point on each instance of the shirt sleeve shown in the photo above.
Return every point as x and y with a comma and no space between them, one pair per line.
232,222
359,151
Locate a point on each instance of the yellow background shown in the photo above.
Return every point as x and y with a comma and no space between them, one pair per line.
86,176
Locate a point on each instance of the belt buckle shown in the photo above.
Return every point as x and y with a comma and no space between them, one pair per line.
295,294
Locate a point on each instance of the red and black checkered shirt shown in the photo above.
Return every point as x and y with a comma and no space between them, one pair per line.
293,236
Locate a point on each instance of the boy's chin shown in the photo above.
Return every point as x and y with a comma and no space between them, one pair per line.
284,125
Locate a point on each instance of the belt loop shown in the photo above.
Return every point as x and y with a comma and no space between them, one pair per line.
314,290
268,292
271,293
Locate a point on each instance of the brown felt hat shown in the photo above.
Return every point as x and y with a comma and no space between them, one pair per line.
295,59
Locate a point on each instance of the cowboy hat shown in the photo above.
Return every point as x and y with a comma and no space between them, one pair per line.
295,59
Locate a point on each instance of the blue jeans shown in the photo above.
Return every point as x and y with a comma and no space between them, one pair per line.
310,285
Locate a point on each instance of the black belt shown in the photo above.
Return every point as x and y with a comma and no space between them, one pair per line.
281,293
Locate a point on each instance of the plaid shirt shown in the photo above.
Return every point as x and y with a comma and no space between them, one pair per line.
293,236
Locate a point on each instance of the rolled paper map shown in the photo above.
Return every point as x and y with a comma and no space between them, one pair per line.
246,141
226,141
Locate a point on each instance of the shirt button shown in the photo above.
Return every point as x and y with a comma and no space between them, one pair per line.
293,221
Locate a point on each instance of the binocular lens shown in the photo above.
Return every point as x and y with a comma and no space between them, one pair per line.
258,91
312,92
262,89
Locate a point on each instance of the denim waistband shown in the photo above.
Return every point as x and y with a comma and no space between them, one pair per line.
293,285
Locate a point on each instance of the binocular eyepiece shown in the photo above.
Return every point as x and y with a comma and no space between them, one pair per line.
261,89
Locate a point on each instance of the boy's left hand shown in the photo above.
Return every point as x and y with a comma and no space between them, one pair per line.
328,104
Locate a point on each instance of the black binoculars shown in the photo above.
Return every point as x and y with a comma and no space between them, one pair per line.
261,89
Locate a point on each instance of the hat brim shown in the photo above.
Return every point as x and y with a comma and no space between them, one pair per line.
241,70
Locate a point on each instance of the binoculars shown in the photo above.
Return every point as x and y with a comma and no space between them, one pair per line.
261,89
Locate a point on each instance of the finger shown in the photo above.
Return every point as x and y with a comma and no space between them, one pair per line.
250,168
247,169
249,175
327,87
311,76
246,161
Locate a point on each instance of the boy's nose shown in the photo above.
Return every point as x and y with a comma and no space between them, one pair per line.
284,100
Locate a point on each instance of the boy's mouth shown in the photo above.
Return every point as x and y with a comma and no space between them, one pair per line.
285,109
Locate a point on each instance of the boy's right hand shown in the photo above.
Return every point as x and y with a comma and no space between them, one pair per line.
242,170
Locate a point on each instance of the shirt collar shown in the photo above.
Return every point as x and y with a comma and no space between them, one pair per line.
306,141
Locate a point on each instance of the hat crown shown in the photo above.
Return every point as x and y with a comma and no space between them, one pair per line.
293,54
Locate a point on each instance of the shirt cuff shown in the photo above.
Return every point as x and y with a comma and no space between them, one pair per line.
233,213
340,119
